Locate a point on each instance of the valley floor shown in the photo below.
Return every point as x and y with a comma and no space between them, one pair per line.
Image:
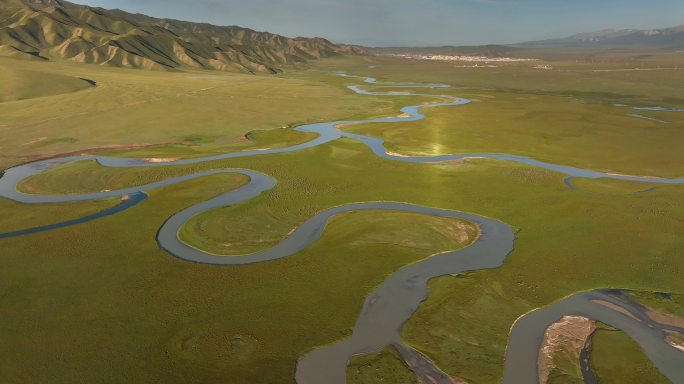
81,302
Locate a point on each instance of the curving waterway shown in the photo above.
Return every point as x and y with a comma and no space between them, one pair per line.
132,200
387,308
527,333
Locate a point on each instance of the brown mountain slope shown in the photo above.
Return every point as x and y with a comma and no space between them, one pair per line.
55,28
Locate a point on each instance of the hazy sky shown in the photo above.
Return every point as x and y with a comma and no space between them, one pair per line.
417,22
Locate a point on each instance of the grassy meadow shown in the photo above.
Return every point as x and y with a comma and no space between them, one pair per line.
615,358
96,178
563,116
21,84
386,365
669,304
81,302
192,114
463,325
217,232
37,215
612,187
168,313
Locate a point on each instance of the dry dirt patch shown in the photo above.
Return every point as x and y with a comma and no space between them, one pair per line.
568,335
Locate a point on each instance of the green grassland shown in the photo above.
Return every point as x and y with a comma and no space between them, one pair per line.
193,113
201,320
586,79
563,117
19,84
566,367
173,321
386,366
615,358
611,187
96,178
37,215
672,305
553,129
274,309
215,231
558,376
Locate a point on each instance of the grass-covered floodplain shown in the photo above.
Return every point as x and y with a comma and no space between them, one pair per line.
615,359
463,326
37,215
384,366
560,377
188,113
667,303
563,116
554,129
96,178
173,321
612,187
201,320
215,231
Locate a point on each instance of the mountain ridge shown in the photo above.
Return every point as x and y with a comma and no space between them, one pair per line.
56,28
663,37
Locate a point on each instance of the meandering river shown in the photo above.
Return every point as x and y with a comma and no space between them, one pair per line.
387,308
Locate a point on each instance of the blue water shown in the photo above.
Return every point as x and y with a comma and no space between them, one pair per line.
652,108
134,199
645,190
649,118
527,333
567,182
587,374
659,109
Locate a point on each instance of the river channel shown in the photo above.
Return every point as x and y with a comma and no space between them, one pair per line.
387,308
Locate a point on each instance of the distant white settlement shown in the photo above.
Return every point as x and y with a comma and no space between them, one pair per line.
457,58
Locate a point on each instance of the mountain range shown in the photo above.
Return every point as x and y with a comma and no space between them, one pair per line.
665,37
44,29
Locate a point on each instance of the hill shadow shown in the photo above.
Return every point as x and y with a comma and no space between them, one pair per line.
91,82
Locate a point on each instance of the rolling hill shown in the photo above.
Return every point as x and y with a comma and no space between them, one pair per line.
44,29
665,37
21,84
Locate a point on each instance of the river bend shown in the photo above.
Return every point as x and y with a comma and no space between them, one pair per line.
387,308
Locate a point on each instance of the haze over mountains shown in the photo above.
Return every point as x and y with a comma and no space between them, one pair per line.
653,37
41,29
657,38
470,50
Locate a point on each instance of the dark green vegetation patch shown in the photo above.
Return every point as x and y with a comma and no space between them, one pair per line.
617,359
384,366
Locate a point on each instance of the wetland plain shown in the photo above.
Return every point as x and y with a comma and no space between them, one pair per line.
176,321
